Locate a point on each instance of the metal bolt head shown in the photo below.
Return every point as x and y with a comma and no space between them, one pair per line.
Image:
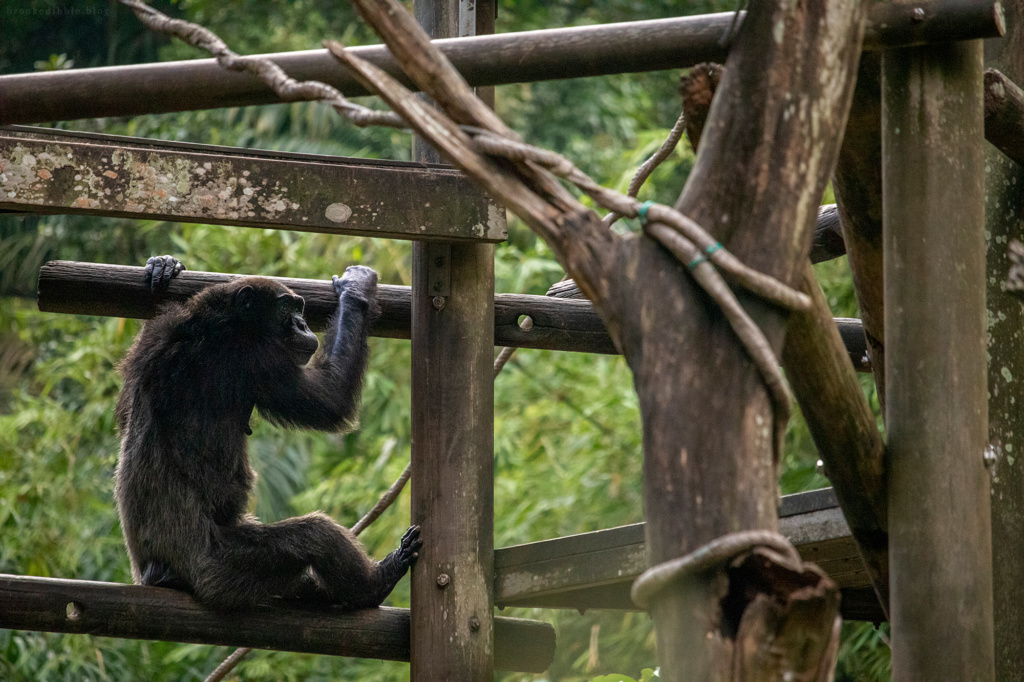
438,302
918,14
991,456
474,623
443,580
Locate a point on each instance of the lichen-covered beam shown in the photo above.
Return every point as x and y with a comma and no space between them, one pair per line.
51,172
596,570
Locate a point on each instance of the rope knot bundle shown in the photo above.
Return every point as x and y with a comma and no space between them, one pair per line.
722,550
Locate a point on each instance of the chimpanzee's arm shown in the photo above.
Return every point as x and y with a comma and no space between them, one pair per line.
325,395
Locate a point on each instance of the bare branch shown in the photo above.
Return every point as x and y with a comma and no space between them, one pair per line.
285,87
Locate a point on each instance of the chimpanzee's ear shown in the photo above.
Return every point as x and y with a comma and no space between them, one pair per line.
244,297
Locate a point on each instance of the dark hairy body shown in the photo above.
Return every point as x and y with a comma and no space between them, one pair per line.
183,481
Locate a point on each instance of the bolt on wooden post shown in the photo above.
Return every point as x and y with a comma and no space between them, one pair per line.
453,439
940,553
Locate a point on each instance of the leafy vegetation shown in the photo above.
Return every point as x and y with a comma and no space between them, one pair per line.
567,438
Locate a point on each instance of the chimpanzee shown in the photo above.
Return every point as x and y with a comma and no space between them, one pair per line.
183,480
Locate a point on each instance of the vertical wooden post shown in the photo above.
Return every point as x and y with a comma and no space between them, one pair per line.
936,407
453,440
1004,196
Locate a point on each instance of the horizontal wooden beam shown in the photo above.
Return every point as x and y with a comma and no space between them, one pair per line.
134,612
595,570
56,172
483,60
558,324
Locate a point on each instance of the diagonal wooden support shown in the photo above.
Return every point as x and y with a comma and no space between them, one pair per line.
843,429
1004,114
595,570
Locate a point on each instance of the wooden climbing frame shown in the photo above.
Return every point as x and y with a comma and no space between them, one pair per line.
937,485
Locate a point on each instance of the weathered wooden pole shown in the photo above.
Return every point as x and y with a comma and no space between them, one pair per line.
453,439
933,175
708,467
523,57
1004,197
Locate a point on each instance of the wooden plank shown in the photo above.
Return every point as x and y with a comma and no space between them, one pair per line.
933,178
523,57
134,612
52,172
596,570
79,288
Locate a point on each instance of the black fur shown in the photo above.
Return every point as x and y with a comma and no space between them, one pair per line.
183,480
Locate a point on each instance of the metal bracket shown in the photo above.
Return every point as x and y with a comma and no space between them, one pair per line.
467,18
439,275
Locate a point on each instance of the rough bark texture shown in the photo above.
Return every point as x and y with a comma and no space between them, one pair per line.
858,188
939,518
824,383
766,154
1004,220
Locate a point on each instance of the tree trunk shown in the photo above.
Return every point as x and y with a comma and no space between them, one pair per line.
767,153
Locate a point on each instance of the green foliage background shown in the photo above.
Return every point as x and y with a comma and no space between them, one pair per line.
567,437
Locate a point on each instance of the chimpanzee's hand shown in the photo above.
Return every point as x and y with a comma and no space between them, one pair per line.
358,282
160,270
409,548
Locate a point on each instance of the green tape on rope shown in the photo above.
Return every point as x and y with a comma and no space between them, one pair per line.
714,247
641,212
697,261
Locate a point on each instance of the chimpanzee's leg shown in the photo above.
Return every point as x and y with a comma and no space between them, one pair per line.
250,563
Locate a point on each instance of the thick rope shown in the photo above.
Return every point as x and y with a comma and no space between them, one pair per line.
639,178
719,551
228,664
285,87
648,167
386,500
